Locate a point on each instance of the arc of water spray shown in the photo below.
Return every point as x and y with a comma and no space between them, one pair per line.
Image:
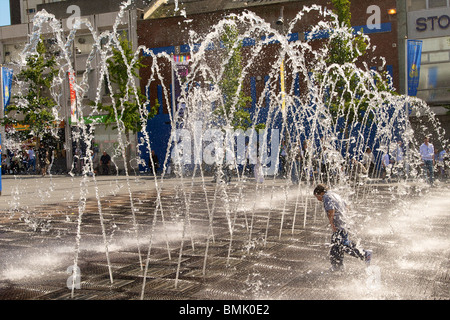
42,17
230,211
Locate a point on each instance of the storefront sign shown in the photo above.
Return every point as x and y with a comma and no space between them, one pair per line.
429,23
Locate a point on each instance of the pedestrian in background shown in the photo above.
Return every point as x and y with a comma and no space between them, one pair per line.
368,161
399,164
105,161
44,160
427,154
386,165
442,157
31,159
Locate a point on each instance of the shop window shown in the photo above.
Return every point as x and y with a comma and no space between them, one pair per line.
437,4
439,57
435,70
434,82
105,40
83,86
12,52
434,76
415,5
436,44
83,44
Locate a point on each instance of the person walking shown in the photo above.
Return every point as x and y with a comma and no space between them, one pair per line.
442,157
368,161
44,160
336,208
31,159
386,162
105,161
399,165
427,154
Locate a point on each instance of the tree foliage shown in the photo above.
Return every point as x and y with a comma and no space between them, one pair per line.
343,49
34,105
127,103
351,102
235,101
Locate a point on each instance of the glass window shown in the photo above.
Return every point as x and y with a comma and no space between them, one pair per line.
439,56
436,44
79,78
12,52
435,70
415,5
106,140
435,75
434,82
83,44
436,3
105,40
440,95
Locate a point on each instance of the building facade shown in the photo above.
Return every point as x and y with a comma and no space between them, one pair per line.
429,21
165,32
163,26
13,39
23,11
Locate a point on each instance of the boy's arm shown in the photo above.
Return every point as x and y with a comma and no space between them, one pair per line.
330,214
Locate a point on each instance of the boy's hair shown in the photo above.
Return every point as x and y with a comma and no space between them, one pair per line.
320,188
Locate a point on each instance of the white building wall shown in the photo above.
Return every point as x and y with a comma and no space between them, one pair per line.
14,38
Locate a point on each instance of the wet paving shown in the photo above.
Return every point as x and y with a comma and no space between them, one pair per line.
245,241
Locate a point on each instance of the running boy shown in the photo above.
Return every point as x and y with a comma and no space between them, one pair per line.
335,207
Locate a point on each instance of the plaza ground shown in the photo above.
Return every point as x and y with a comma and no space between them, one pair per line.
241,241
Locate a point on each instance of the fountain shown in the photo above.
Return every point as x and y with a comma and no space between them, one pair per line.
204,230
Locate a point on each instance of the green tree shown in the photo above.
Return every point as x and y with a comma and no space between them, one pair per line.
127,102
234,107
350,102
33,106
342,49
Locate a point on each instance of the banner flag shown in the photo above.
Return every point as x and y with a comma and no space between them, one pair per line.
7,78
414,56
179,73
181,59
73,98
